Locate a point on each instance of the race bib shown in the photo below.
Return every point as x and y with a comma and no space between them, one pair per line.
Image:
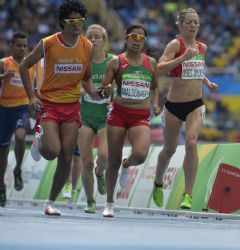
135,89
16,81
193,68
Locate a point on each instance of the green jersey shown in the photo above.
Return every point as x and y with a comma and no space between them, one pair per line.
96,107
134,82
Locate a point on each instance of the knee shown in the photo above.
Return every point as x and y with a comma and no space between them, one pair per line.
4,151
140,157
49,154
20,138
191,144
169,152
88,164
102,159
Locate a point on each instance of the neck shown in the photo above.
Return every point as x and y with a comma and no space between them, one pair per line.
69,39
99,56
189,39
17,59
133,54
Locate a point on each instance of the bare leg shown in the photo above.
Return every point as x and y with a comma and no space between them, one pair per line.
4,151
190,164
76,171
68,135
86,138
19,148
171,132
50,144
139,138
116,136
102,151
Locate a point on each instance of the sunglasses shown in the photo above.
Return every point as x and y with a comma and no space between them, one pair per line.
137,37
75,21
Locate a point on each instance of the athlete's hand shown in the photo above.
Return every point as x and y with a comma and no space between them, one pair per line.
95,94
190,52
35,103
212,86
156,109
106,91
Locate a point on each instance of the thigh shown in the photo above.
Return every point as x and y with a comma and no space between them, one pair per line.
172,126
102,139
22,117
194,123
9,119
7,127
139,137
68,136
115,140
50,138
86,140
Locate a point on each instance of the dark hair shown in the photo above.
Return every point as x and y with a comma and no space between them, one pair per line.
153,52
17,35
69,6
135,26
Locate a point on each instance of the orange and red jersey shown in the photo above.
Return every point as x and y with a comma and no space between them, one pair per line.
12,92
64,69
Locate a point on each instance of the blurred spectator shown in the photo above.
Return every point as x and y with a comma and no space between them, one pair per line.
220,27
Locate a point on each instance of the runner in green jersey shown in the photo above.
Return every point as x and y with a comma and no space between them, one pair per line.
135,74
94,115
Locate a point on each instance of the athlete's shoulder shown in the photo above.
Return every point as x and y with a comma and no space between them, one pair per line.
110,56
6,58
50,37
85,40
176,41
203,45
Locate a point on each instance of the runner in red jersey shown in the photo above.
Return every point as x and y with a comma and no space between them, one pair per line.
184,59
135,75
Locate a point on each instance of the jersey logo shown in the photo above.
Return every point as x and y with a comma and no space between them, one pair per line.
68,68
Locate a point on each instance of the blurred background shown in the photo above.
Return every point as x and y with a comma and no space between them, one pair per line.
220,30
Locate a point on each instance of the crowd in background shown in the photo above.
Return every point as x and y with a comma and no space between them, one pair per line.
220,24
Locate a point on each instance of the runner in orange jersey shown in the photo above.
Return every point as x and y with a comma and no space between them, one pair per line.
67,60
13,110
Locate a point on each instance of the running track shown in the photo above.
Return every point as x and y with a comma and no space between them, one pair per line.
24,226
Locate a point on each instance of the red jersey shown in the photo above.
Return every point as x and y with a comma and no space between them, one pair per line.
192,68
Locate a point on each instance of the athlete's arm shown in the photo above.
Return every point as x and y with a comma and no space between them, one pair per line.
109,76
210,85
167,61
154,87
87,83
31,59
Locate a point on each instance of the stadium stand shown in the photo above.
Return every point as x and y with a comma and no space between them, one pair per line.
220,29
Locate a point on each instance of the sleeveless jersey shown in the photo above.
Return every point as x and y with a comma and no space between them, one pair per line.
12,92
65,68
134,82
96,107
192,68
